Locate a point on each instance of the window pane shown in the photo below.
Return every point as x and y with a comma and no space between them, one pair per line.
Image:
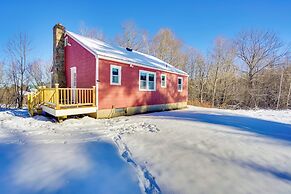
151,85
179,81
143,76
115,79
114,71
151,77
163,78
143,84
163,83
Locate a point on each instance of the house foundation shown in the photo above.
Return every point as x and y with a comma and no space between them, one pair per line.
110,113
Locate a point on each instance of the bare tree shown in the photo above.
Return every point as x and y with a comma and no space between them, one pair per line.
288,80
132,37
280,88
167,47
223,56
91,32
1,72
197,68
192,55
288,95
18,50
39,73
2,83
145,42
257,50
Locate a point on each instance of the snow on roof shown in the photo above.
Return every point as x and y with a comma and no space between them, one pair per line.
116,52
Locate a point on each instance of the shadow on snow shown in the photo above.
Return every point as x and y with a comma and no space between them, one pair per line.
266,128
23,113
92,167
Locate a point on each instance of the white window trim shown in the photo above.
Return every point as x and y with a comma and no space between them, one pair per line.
181,84
119,74
147,80
165,86
66,42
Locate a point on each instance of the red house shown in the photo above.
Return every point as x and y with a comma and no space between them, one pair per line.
127,82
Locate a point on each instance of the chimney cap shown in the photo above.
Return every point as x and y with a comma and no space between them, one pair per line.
59,25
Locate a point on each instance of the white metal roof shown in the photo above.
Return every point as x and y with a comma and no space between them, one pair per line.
101,48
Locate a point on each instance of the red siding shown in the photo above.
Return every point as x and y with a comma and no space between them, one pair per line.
85,63
128,94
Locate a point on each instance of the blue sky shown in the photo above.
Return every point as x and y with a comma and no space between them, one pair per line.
197,23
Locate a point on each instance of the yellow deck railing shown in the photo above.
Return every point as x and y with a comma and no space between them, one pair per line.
61,98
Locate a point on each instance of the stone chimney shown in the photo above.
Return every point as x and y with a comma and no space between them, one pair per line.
58,70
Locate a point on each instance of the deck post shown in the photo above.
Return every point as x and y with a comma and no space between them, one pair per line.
30,106
57,96
38,97
43,93
94,96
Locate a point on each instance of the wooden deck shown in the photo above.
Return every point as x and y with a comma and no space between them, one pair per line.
61,102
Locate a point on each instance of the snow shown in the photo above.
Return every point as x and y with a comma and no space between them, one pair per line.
104,49
214,151
194,150
282,116
40,156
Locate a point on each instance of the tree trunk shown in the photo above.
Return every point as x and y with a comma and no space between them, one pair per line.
224,92
214,87
201,93
288,96
250,91
280,89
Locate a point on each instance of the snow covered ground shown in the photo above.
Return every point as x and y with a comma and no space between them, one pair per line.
194,150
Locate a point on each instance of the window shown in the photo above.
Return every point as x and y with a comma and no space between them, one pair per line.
143,80
147,81
180,84
115,75
163,81
151,81
66,41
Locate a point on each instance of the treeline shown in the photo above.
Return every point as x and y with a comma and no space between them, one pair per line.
249,71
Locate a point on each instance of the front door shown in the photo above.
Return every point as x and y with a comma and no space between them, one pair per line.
73,83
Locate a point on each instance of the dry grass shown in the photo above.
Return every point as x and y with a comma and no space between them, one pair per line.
198,103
